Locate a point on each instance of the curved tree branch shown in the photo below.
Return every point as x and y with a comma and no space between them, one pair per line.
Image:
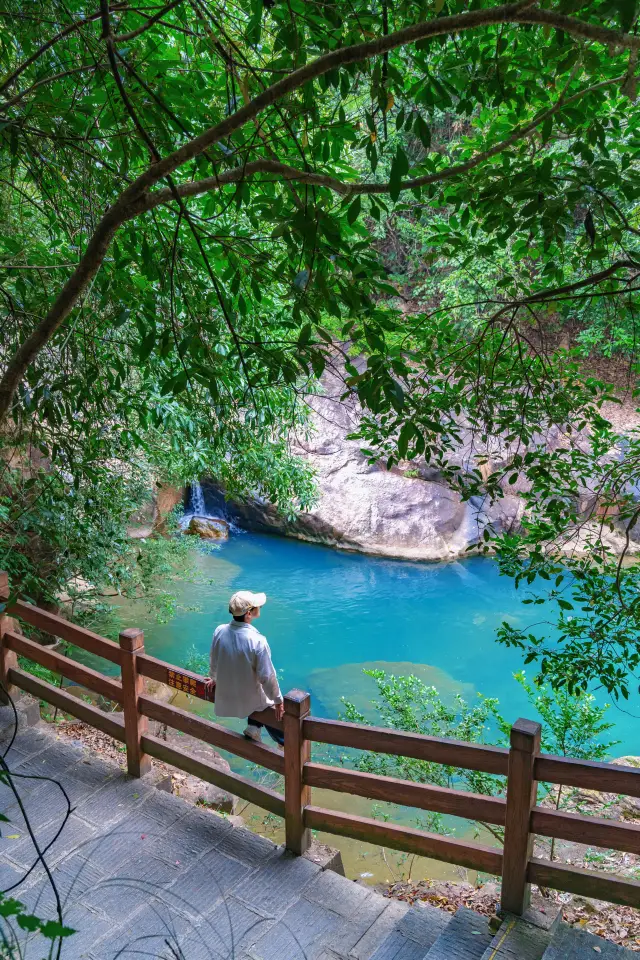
284,171
133,199
45,80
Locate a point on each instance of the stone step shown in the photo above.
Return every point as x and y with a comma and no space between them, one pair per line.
466,937
569,943
518,940
413,934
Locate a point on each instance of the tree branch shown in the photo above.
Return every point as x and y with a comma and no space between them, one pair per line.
132,200
76,25
39,83
284,171
125,37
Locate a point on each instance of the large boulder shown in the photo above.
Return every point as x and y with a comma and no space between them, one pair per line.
366,508
208,528
410,511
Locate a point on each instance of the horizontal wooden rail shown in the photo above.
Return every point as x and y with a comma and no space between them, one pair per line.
59,627
586,883
111,689
473,806
474,856
160,671
106,722
610,834
232,782
453,753
157,669
588,774
212,733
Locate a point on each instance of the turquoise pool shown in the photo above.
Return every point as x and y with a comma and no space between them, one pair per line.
330,614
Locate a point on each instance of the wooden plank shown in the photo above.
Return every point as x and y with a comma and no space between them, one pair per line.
106,722
159,670
135,724
473,806
474,856
59,627
521,798
8,658
176,677
231,782
268,716
297,752
52,660
471,756
212,733
610,834
586,883
589,774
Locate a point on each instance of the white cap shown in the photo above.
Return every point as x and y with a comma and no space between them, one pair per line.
243,601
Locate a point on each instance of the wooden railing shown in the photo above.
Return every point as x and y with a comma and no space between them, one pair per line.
522,764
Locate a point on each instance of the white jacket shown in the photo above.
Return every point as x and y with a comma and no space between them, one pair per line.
241,667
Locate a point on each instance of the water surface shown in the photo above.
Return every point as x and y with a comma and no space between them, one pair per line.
330,614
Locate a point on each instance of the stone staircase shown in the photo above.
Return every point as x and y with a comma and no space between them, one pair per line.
143,873
425,933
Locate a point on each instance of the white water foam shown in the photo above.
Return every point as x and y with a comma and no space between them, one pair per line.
198,508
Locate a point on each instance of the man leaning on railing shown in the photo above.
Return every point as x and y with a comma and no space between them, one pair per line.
241,667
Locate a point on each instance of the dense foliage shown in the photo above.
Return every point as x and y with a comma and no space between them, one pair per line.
190,197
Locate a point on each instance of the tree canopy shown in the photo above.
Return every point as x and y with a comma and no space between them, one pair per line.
191,194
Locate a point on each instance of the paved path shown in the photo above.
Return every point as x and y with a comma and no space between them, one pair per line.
141,871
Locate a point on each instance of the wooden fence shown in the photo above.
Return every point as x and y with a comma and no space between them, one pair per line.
522,764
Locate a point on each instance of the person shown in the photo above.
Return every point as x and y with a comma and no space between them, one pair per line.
241,667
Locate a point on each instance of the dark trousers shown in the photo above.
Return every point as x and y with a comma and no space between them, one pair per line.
276,735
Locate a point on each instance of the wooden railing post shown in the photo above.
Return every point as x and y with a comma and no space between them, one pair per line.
521,798
8,658
135,725
297,752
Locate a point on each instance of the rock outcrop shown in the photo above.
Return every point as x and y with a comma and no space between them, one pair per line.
208,528
408,512
366,508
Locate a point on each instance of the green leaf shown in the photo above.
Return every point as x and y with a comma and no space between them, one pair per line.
627,11
354,210
52,930
399,169
405,436
147,345
422,131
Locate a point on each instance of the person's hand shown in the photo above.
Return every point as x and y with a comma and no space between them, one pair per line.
278,709
209,686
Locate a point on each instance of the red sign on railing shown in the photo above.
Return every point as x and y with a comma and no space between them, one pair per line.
190,684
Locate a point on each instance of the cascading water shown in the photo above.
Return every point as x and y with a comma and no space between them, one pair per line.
198,508
197,505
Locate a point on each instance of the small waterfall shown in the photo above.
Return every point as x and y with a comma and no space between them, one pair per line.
197,505
198,508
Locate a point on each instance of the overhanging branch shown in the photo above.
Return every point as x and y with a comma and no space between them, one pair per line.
135,198
286,172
